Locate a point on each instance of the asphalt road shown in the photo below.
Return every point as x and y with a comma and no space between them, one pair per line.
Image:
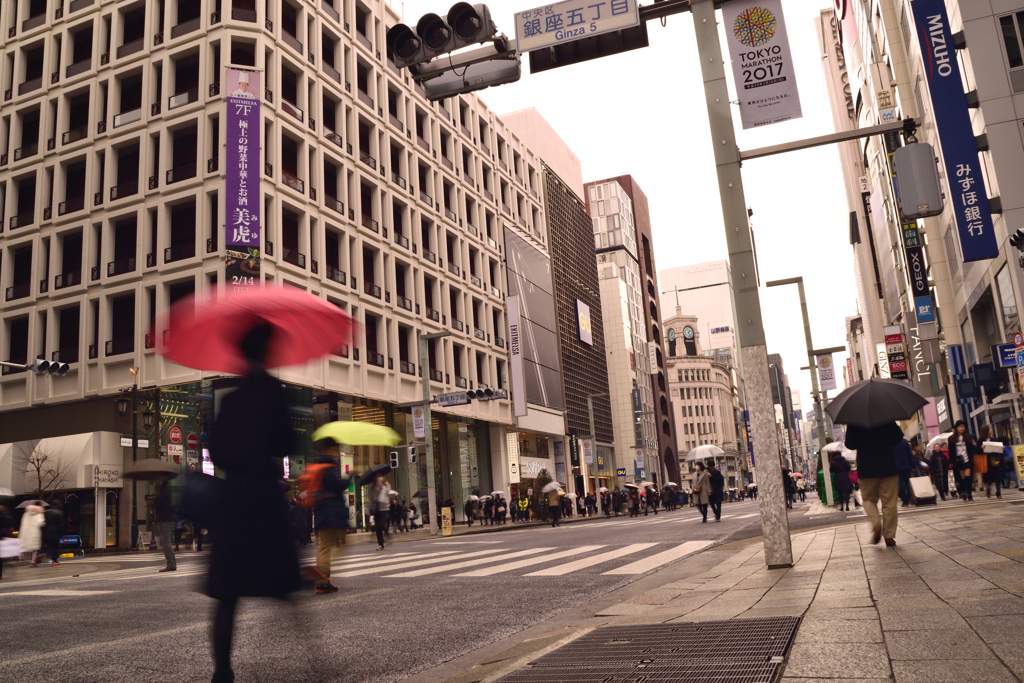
399,611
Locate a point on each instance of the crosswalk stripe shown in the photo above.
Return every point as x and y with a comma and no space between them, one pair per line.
365,557
386,559
469,563
563,569
498,569
414,563
658,559
752,514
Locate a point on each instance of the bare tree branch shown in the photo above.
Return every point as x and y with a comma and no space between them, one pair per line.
46,468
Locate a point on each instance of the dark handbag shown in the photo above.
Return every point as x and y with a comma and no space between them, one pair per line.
200,498
696,489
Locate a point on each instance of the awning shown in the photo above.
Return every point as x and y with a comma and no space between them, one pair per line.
74,460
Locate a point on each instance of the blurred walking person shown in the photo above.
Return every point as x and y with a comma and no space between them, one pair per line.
53,529
30,532
717,489
255,554
962,447
6,531
877,475
469,512
380,506
905,463
701,491
844,485
938,466
323,482
164,517
554,505
994,475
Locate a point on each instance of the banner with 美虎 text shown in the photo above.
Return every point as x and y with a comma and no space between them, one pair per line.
242,180
761,62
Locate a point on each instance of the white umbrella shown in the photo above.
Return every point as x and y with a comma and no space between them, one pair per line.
940,439
631,486
750,486
472,498
497,493
704,452
603,489
840,447
485,497
551,486
571,495
394,493
671,483
646,484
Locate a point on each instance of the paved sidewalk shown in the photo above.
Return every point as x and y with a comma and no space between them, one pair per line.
946,604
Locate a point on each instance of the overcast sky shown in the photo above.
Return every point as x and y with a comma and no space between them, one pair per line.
643,113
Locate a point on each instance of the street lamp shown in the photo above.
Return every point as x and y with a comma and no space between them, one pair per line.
121,402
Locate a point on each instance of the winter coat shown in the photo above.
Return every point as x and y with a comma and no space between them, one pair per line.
717,485
903,454
373,501
875,457
330,510
939,464
995,468
30,532
841,469
958,461
702,480
6,523
254,554
53,524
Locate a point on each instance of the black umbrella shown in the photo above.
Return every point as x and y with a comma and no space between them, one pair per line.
371,474
874,402
422,493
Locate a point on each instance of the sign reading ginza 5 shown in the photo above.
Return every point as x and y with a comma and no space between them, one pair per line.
242,187
566,22
956,136
761,62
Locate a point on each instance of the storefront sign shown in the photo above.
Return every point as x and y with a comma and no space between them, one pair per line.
512,443
1018,457
895,351
849,371
1004,355
883,360
242,184
761,62
530,467
518,377
967,192
418,421
826,372
126,441
105,476
583,320
652,355
446,521
588,451
620,471
574,452
207,465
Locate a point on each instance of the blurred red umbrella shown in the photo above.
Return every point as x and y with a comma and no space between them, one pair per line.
305,327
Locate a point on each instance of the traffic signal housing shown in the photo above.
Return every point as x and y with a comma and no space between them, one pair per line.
394,460
464,25
1017,240
43,367
486,394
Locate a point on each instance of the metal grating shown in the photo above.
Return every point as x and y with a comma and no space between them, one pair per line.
738,651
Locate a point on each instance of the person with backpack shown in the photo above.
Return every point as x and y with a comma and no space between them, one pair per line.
325,490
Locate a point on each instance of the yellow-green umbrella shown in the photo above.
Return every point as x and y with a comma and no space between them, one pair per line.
358,434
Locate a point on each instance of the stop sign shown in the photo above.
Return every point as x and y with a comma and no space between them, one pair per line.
174,434
192,442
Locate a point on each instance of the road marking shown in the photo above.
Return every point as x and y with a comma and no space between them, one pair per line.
658,559
490,571
59,592
563,569
362,557
469,563
752,514
386,559
415,563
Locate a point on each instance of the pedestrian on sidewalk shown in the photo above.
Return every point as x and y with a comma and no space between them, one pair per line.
488,512
701,491
961,451
633,502
30,532
904,455
164,516
6,530
1009,465
801,489
380,506
254,554
841,467
468,510
994,476
877,475
53,529
980,459
717,489
329,491
939,470
616,503
554,506
524,508
179,529
788,486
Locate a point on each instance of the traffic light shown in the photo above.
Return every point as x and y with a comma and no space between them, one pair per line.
394,460
486,394
1017,240
434,36
412,455
43,367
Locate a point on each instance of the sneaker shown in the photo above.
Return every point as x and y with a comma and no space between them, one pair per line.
999,495
890,542
876,536
168,569
326,588
380,547
55,564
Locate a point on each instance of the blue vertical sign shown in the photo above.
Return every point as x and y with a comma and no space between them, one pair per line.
956,136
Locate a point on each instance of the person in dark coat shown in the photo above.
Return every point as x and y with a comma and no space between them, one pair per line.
254,555
962,448
939,470
788,486
994,475
331,512
164,516
469,510
877,475
841,468
53,529
6,530
905,462
717,489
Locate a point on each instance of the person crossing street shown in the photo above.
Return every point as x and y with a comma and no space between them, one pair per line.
717,488
330,510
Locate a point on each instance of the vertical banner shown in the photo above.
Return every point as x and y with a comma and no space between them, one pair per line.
516,357
243,203
588,451
419,423
826,372
761,62
956,135
849,371
883,360
512,443
896,352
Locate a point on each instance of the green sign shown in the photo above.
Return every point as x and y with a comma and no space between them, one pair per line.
911,238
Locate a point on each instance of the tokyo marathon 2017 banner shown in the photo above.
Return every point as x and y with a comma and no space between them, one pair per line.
242,188
761,62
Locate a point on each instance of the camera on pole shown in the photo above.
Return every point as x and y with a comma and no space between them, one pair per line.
44,367
464,25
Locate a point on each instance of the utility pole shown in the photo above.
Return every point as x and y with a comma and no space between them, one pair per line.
593,437
428,429
754,351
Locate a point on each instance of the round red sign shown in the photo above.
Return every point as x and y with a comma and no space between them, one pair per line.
1018,339
174,434
192,442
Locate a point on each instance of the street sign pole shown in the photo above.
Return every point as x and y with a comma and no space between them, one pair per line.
593,447
429,435
778,548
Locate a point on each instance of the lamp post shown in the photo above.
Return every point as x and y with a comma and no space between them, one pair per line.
147,418
428,430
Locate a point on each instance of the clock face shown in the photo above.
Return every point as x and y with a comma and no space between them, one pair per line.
688,332
671,335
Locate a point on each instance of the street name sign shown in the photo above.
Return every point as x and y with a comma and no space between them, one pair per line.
453,398
567,22
126,441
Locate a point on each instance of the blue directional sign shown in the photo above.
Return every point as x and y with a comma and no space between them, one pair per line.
1004,355
1020,359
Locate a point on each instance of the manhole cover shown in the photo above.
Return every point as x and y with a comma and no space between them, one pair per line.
737,651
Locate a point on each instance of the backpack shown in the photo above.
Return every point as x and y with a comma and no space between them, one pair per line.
995,461
311,483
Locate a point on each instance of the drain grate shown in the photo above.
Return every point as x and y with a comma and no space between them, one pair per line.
737,651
